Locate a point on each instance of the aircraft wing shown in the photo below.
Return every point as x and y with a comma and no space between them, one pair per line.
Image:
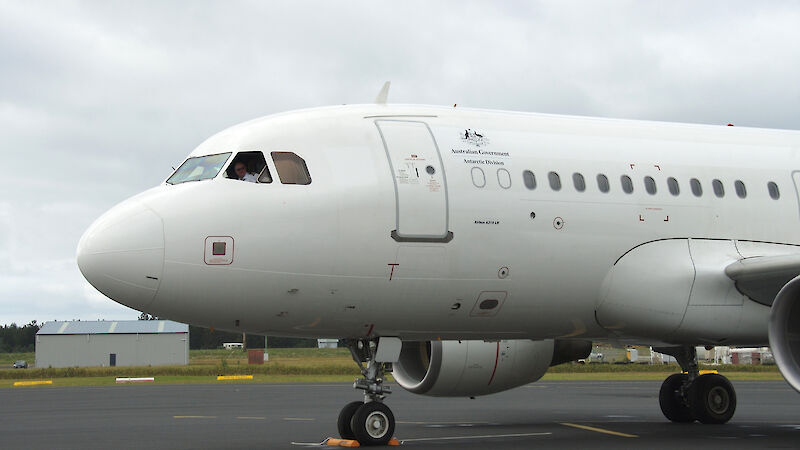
761,277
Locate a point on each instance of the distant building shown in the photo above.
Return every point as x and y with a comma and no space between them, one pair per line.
112,343
327,343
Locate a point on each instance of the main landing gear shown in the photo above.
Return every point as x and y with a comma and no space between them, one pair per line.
686,397
369,422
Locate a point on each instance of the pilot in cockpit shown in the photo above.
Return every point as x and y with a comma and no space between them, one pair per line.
240,169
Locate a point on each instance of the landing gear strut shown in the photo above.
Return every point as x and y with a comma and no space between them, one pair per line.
686,397
369,422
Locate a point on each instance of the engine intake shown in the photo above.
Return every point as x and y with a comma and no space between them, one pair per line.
784,332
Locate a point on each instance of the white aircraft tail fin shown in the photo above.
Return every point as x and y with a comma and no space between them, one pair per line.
383,95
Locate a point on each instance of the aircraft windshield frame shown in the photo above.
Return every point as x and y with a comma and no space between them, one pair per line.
199,168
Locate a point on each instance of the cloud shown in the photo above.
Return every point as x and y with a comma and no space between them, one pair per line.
98,99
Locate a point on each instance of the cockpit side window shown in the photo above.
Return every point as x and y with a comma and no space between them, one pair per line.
249,166
199,168
291,168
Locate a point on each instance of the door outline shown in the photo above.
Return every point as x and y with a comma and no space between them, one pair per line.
449,234
796,182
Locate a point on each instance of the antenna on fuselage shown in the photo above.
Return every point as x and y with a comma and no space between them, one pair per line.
383,95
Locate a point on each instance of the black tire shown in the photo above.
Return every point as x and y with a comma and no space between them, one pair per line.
671,401
345,416
712,399
373,424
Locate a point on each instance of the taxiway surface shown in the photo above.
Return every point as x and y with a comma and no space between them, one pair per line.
549,414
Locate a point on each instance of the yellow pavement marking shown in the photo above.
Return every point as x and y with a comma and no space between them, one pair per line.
305,419
251,418
599,430
32,383
194,417
234,377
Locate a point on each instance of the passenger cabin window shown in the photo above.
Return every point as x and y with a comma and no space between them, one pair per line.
503,178
627,184
773,190
602,183
697,188
199,168
555,181
672,184
478,177
291,168
249,166
579,182
530,179
650,185
741,191
719,190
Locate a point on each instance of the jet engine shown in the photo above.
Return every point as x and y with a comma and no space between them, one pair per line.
470,368
784,332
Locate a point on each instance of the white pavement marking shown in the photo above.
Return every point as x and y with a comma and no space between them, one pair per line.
445,423
485,436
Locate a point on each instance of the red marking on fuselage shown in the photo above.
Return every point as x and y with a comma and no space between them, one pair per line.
496,359
371,326
391,274
632,166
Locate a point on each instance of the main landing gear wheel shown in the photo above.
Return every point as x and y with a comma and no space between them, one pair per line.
373,424
670,398
345,416
712,399
686,397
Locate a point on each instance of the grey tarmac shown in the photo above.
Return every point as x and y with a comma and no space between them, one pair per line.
548,414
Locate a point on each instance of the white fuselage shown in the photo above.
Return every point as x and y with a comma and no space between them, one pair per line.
321,259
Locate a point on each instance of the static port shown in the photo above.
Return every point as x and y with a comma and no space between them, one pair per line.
489,304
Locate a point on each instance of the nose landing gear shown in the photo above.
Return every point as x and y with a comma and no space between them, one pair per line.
686,397
370,422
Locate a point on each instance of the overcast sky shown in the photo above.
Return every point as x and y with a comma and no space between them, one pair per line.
99,98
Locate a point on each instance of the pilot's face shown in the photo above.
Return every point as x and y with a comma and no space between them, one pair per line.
240,169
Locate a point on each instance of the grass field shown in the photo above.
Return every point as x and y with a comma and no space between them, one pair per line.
318,365
7,359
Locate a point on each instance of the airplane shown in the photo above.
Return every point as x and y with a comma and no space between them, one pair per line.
466,251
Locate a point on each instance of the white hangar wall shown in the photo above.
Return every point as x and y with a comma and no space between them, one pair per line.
119,343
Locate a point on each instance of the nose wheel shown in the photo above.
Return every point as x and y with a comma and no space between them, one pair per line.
345,416
370,422
686,397
373,424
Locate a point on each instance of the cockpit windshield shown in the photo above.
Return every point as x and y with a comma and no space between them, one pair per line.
199,168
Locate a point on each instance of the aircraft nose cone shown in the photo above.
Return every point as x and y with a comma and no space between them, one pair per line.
122,254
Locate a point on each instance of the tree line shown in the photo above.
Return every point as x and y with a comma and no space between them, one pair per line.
16,339
203,338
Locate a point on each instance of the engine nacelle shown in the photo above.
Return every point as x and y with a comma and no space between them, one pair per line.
470,368
784,332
